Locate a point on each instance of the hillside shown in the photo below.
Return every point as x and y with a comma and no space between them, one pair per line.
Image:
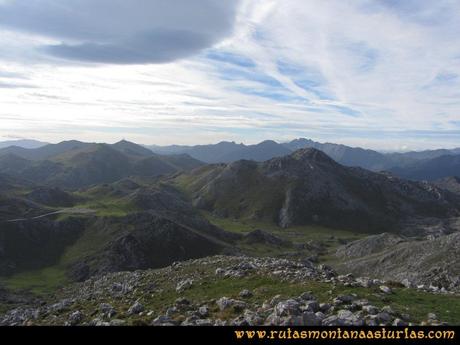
75,165
430,169
124,226
240,291
451,184
395,258
308,187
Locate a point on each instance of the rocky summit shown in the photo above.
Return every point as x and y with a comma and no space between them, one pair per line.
223,290
308,187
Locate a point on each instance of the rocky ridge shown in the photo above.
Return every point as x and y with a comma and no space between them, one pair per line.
210,291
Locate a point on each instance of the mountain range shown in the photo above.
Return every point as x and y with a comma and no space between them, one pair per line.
416,165
74,164
308,187
74,211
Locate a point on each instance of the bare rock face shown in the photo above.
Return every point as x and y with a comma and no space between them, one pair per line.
451,184
369,245
308,187
432,262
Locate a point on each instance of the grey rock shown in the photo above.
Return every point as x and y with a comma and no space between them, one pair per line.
332,320
117,322
226,303
289,307
311,306
61,306
107,310
389,310
184,285
325,307
399,322
75,318
204,322
246,294
383,317
163,320
385,289
407,283
310,319
370,309
203,311
136,308
432,316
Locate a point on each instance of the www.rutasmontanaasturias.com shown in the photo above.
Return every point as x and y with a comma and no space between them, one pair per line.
338,333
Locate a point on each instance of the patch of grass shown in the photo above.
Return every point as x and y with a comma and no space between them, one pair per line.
330,238
109,207
38,281
419,304
90,242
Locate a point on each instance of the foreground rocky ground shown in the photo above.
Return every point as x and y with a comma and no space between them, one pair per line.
223,290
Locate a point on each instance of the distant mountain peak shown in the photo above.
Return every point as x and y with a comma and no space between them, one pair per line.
311,154
268,142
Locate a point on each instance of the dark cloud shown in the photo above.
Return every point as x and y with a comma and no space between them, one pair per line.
153,47
9,85
120,31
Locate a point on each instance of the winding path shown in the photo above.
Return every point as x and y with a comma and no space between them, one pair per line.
63,211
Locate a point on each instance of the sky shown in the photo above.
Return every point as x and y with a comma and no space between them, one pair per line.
380,74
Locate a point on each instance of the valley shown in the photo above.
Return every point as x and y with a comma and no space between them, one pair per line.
353,230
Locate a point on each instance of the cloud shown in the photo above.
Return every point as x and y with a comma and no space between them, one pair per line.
121,32
381,74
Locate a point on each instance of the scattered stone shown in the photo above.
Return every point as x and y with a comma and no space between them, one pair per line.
311,306
385,289
311,319
246,294
370,309
226,303
163,321
203,311
407,283
184,285
383,317
432,316
107,310
399,322
61,306
287,308
75,318
117,323
136,308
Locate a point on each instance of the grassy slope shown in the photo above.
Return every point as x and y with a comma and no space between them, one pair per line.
209,287
49,279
